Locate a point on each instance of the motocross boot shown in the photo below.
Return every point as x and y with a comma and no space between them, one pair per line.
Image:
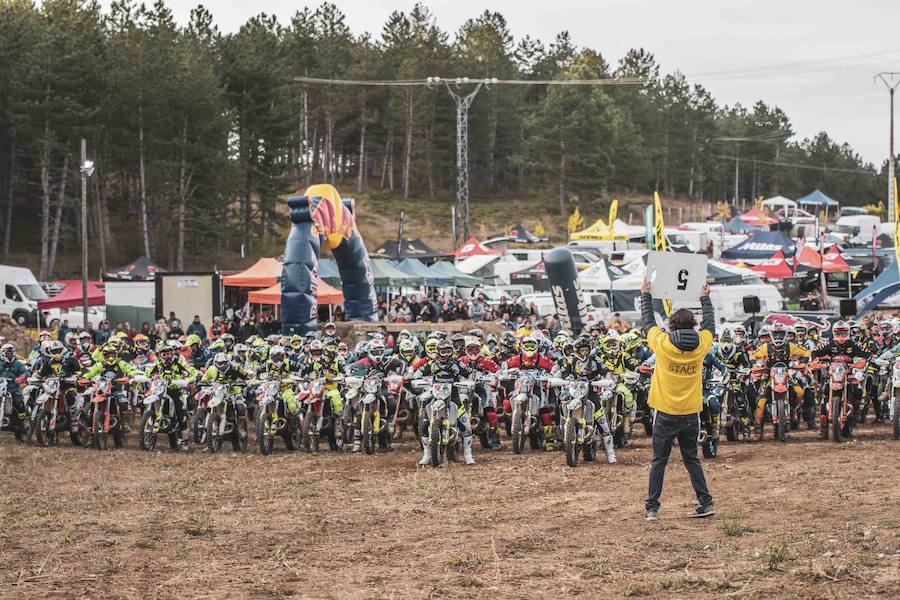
759,432
426,452
714,422
467,450
495,437
183,440
823,427
610,449
357,441
549,438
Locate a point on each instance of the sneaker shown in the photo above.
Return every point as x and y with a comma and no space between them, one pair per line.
651,514
703,511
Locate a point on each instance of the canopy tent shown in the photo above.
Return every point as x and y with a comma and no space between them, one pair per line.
262,273
775,267
386,275
833,262
884,241
476,263
761,246
325,294
776,202
629,231
416,268
600,275
716,275
460,279
328,271
739,225
473,247
143,269
818,200
535,276
830,262
757,218
599,231
407,249
70,295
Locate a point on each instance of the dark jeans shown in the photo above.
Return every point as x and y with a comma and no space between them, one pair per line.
666,429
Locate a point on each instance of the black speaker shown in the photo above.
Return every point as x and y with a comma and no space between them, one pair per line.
848,307
751,305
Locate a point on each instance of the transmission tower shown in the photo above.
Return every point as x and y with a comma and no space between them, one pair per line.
891,81
463,102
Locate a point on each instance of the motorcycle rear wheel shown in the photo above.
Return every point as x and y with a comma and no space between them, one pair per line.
895,421
45,436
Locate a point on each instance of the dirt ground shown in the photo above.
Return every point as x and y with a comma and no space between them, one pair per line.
802,520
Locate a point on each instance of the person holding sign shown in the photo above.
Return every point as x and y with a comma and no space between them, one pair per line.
676,390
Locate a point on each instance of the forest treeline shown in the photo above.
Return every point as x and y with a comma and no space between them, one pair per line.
197,133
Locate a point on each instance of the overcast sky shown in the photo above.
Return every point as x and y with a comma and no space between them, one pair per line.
814,59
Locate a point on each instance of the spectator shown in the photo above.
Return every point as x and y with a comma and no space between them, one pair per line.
676,396
217,328
404,314
102,334
64,330
338,314
197,328
617,324
506,323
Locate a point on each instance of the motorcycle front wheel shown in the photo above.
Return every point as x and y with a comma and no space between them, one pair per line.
213,439
263,435
97,427
147,437
836,431
46,436
437,447
571,442
368,435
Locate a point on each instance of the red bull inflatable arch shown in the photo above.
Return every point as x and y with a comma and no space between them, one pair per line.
322,219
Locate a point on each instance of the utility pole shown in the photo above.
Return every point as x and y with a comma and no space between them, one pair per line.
461,228
888,78
87,169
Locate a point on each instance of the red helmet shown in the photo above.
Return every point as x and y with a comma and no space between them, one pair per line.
841,332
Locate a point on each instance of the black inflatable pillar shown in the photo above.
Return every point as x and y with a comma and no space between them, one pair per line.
563,276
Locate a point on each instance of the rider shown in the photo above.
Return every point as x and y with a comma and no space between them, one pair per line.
277,366
446,369
611,357
841,344
478,362
15,372
325,364
376,362
113,367
778,350
172,367
735,358
529,358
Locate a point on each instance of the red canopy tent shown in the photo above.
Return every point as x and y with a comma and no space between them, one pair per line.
473,247
775,267
756,218
325,294
833,262
262,273
71,295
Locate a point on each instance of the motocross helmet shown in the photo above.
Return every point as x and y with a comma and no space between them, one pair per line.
404,335
110,355
272,340
492,342
582,346
315,349
242,350
569,348
44,336
530,346
142,342
459,343
801,330
221,362
560,340
726,344
611,344
445,351
296,343
508,341
228,340
7,353
476,332
431,345
277,355
740,334
778,334
342,347
85,341
764,334
71,340
407,350
330,328
791,333
473,347
375,351
166,354
56,350
840,331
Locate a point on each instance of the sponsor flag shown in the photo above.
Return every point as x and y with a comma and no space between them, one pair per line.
613,213
660,238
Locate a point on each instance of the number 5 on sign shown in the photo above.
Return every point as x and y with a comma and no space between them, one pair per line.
676,275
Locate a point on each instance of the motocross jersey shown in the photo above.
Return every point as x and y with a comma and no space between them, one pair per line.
772,354
229,375
67,367
832,349
737,360
481,363
321,368
574,367
616,364
365,366
177,369
538,361
275,371
12,371
118,369
449,372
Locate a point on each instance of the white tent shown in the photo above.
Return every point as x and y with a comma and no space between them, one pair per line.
621,227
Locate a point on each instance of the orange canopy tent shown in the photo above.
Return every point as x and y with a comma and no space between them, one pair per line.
262,273
325,294
473,247
757,218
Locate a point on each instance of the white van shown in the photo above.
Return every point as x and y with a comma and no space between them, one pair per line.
21,293
856,229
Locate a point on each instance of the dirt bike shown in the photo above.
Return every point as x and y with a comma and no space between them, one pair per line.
734,419
614,405
579,430
368,407
442,427
780,406
6,413
525,402
894,399
105,416
226,417
160,417
198,420
480,425
839,407
316,414
641,395
273,419
709,438
52,414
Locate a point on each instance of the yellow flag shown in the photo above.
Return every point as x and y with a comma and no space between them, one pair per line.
613,212
659,235
575,221
539,229
896,202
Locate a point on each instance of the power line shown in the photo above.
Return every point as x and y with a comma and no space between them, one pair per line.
430,81
801,166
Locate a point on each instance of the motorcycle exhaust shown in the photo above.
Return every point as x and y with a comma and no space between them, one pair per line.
475,422
113,421
500,411
280,423
702,437
403,415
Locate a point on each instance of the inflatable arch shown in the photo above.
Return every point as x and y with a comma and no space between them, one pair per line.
320,218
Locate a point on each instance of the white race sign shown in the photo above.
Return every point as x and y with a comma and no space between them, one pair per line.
676,275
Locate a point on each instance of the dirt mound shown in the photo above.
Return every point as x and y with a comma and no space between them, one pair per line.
17,335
